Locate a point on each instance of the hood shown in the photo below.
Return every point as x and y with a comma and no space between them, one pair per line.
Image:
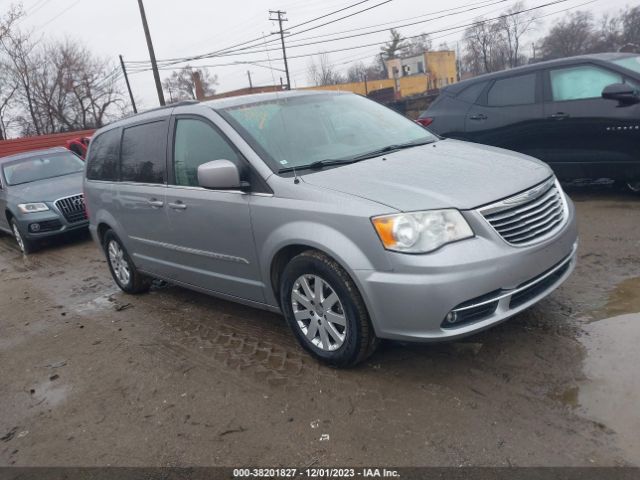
446,174
48,190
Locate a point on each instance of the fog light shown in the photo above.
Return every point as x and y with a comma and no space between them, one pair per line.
34,227
452,317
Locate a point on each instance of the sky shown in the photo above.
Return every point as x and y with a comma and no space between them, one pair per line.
195,27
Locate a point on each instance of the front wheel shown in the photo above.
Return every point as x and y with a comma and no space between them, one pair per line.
26,246
325,310
122,268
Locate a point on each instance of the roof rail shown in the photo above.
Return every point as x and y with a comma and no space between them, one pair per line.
181,103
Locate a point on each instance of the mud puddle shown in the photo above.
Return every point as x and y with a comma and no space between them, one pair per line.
610,393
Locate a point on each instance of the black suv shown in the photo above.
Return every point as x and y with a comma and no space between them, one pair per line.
581,115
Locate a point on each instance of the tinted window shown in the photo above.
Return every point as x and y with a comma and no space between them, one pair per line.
102,163
42,167
143,157
519,90
196,143
472,92
581,82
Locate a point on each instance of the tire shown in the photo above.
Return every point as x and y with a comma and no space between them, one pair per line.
26,245
337,332
122,269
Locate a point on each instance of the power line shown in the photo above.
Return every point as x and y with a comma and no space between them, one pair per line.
59,14
172,61
346,37
451,30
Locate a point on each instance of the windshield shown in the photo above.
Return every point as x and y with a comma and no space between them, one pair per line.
632,63
299,131
41,167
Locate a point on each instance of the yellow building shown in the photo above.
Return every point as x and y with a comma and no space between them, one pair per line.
441,67
408,76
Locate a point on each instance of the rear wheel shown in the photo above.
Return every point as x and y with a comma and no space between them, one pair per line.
122,268
325,310
26,246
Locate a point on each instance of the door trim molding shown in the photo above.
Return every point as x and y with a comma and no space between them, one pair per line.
193,251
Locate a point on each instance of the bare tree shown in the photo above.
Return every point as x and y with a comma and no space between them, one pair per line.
416,45
19,51
8,85
394,46
514,27
323,72
631,26
356,72
484,47
181,85
573,35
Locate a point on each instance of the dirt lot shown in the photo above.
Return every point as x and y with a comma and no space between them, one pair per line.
90,376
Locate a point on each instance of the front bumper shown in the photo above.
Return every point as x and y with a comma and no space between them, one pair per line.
50,223
483,277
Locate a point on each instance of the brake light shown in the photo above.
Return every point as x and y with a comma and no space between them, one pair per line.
425,122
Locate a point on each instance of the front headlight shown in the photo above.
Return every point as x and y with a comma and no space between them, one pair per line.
421,232
33,207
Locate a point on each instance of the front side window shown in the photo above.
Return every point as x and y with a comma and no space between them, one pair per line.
102,163
197,142
579,83
42,167
294,132
143,157
520,90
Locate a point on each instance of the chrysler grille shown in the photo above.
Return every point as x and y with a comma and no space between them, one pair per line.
72,208
528,217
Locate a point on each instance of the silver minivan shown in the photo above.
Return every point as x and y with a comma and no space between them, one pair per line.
354,222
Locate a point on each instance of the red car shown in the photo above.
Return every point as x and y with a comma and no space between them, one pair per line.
78,146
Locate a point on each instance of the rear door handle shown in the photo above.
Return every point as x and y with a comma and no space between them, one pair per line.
155,203
559,116
479,116
178,205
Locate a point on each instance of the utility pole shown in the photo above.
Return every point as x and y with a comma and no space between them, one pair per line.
126,79
280,18
152,55
250,83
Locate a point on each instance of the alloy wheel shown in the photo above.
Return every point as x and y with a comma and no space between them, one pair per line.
16,234
118,263
319,312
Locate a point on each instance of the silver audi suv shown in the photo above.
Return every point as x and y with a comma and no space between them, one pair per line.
41,195
352,221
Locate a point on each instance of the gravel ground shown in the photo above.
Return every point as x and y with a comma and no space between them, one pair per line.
90,376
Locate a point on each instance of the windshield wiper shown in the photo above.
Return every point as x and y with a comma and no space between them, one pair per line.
319,164
390,148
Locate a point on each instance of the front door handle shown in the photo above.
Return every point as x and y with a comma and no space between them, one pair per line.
178,205
155,203
559,116
479,116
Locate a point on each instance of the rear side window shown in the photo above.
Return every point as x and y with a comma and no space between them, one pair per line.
579,83
144,151
102,163
472,92
197,142
520,90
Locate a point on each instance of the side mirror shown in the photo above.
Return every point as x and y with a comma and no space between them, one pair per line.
220,175
622,92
